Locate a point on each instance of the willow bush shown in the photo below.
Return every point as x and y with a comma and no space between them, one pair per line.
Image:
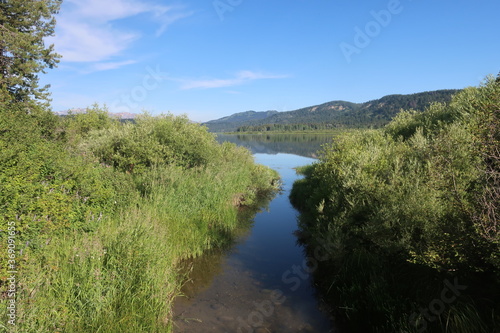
415,201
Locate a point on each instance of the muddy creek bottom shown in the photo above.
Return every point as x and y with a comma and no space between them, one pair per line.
262,283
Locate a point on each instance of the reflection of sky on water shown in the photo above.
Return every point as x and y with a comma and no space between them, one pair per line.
254,267
297,144
285,164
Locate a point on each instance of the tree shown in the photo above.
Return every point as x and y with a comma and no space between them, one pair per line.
23,54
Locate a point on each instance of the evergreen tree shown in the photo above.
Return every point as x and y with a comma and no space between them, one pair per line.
23,54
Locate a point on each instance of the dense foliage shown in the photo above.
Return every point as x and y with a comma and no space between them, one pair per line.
374,113
23,53
104,211
404,208
97,214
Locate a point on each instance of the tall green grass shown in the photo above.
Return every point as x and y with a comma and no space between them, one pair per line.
119,271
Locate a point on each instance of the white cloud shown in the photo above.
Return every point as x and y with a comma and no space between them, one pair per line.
86,32
240,78
166,16
86,42
105,66
108,10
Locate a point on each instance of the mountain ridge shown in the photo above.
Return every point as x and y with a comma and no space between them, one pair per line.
340,113
248,115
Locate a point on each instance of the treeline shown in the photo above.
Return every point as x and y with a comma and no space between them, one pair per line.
286,127
389,106
372,114
406,219
102,212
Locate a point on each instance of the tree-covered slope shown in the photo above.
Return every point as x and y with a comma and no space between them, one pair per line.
221,125
339,113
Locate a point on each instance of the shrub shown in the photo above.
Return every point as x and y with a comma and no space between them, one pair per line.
104,213
419,197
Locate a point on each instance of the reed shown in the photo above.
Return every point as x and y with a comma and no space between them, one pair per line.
119,271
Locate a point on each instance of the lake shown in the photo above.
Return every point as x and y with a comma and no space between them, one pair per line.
261,283
297,144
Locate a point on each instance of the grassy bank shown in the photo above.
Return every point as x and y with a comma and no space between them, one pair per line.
103,213
406,219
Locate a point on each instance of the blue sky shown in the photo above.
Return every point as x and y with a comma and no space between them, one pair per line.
210,59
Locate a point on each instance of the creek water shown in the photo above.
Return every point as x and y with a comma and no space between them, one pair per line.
260,284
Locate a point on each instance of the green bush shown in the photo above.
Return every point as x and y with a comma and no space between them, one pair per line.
43,187
152,141
409,196
105,212
76,126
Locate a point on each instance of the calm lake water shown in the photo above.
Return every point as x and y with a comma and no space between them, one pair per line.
261,283
298,144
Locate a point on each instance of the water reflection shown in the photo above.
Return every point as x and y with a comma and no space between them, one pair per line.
259,284
201,271
299,144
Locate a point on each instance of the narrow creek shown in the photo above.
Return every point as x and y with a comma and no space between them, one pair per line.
261,284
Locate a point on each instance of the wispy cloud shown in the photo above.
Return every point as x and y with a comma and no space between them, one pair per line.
105,66
87,29
166,16
240,78
108,10
86,42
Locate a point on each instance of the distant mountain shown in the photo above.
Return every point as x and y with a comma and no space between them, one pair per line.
234,121
124,115
339,113
72,111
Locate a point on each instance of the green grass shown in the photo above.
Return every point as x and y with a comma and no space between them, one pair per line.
119,271
124,276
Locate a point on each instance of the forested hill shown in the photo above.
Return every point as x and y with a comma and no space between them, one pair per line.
339,113
230,123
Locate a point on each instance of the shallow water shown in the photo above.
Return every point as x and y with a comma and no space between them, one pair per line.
261,284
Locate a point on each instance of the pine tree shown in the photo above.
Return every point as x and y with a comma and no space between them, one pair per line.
23,54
